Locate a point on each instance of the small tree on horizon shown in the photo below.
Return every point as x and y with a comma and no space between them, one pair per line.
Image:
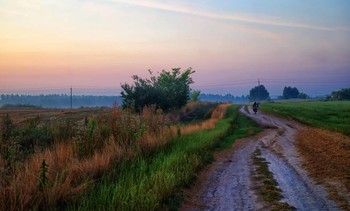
290,92
258,93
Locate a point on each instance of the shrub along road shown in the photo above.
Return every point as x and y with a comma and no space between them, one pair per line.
239,178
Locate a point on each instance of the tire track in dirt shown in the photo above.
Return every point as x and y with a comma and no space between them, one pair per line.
228,183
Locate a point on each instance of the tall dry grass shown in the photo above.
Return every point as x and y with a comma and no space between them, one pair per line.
68,174
218,113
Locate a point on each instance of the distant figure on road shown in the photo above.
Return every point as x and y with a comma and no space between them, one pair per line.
255,107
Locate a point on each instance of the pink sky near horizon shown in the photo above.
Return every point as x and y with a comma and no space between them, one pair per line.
97,45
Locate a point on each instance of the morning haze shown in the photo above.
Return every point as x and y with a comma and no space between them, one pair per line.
97,45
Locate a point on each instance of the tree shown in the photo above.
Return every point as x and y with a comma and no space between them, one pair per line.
343,94
259,93
290,92
302,95
167,91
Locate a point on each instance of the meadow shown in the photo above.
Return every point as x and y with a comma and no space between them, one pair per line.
330,115
110,159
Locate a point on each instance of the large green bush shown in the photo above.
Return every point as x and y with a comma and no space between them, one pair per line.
167,91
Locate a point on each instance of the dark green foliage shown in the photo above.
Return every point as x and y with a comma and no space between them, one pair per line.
20,142
290,92
7,128
302,95
126,127
343,94
34,135
86,138
64,130
168,91
89,138
20,107
43,179
259,93
9,146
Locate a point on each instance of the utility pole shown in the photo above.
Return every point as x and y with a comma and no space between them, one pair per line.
71,97
258,90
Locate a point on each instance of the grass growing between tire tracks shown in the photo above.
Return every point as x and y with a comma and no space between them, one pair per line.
155,181
267,185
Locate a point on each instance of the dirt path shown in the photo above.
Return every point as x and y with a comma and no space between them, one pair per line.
227,184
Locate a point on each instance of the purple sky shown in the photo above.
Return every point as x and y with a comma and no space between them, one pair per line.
94,46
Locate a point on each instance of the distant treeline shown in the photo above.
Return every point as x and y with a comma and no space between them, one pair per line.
223,98
60,101
63,100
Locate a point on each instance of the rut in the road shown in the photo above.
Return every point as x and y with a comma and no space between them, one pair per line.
228,185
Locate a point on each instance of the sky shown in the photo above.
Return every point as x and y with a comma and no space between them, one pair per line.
47,46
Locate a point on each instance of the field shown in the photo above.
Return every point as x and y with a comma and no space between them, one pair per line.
111,158
21,115
326,151
334,116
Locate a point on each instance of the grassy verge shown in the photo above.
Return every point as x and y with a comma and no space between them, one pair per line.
241,127
267,185
334,116
150,182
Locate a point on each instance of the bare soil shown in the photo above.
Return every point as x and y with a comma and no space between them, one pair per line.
326,156
228,183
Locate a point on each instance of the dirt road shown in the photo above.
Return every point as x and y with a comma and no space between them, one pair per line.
228,185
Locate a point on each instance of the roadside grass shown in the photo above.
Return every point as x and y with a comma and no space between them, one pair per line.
57,175
267,185
334,116
241,127
155,182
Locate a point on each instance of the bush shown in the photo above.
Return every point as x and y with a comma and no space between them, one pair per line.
170,90
290,92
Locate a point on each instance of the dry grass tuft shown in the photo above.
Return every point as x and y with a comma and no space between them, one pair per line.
326,156
216,115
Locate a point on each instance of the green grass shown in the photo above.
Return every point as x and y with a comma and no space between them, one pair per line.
268,186
241,127
334,116
155,182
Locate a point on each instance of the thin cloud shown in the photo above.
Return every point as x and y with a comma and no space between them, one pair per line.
262,21
262,33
